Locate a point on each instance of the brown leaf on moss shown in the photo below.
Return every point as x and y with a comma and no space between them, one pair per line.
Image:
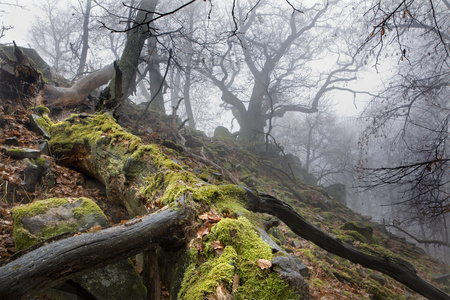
235,283
95,228
264,263
217,245
211,216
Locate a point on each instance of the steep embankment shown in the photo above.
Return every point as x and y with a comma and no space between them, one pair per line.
221,160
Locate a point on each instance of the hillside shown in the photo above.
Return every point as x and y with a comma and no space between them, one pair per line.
217,160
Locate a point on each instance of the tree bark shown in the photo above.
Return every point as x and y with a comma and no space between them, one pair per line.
396,268
85,38
76,94
133,47
56,262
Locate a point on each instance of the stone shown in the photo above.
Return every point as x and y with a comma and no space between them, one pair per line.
44,147
197,171
37,124
302,268
23,153
249,180
365,231
118,281
32,174
441,278
12,141
296,244
337,191
378,278
289,271
223,133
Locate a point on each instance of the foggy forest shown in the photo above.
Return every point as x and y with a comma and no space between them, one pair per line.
240,149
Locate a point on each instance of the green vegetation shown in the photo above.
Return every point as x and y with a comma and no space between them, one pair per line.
86,213
242,248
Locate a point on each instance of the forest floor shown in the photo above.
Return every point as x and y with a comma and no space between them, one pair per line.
330,277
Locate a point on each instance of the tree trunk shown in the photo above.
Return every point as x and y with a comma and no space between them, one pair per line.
135,41
155,78
398,269
85,38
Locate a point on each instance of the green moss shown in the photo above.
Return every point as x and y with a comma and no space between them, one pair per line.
40,109
243,247
318,283
357,236
22,238
12,151
364,230
84,210
378,291
41,162
161,160
45,122
36,208
87,210
89,131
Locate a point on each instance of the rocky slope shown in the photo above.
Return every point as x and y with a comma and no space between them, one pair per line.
28,177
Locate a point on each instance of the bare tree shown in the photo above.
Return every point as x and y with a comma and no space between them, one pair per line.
264,71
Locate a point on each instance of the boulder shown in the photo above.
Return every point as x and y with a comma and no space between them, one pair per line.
223,133
337,191
40,125
33,172
19,153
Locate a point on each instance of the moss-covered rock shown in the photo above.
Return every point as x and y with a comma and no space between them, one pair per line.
223,133
43,219
233,271
360,232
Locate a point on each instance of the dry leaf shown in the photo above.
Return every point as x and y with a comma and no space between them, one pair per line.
95,228
217,245
204,230
235,283
211,216
264,264
222,293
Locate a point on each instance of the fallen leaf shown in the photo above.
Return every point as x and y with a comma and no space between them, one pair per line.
264,263
95,228
235,283
217,245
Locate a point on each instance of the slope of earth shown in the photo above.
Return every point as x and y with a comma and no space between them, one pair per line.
221,160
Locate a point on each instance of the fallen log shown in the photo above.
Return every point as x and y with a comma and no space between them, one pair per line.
398,269
56,262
